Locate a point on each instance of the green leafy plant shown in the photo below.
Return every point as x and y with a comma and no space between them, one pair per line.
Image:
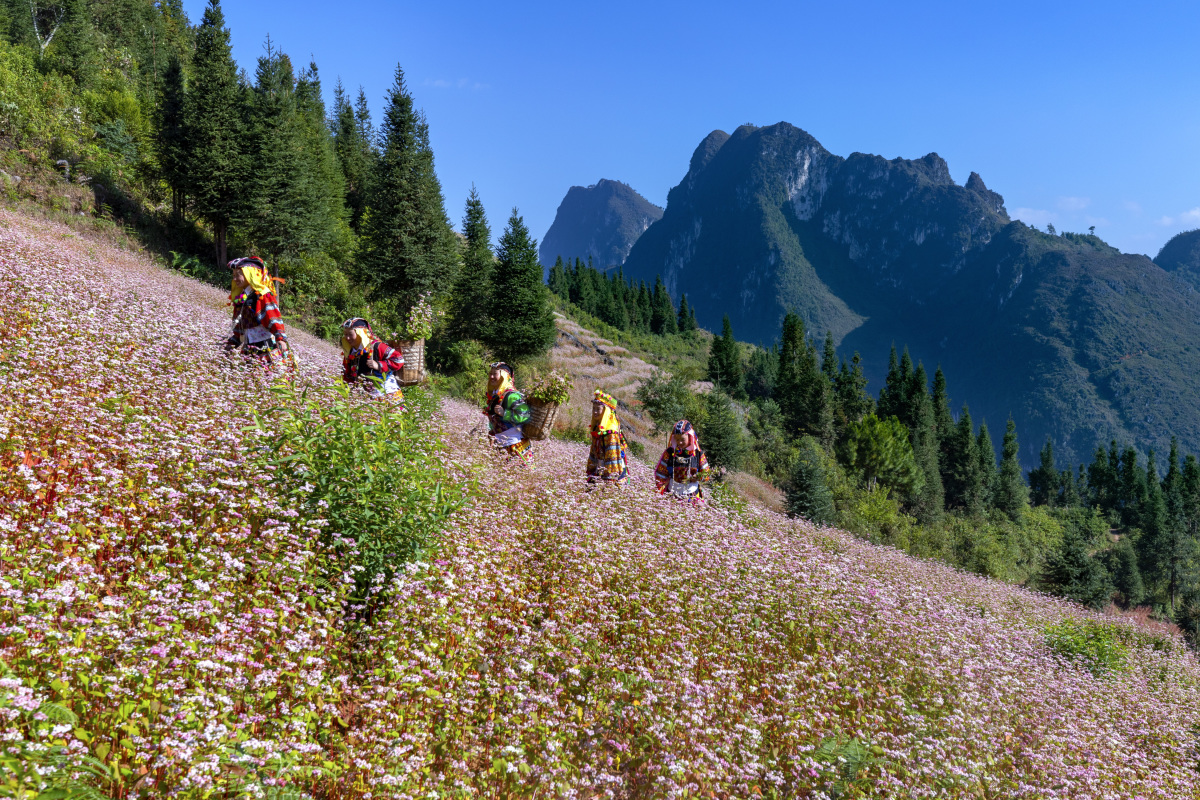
553,387
1100,649
372,472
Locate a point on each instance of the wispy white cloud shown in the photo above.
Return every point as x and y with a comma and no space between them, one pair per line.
1074,203
1034,216
1185,219
1130,205
461,83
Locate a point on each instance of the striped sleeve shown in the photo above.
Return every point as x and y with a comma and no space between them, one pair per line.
389,358
269,316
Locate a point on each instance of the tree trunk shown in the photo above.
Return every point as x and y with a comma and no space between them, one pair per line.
220,229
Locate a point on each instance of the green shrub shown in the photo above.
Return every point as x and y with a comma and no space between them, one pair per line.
668,399
462,368
39,112
1098,648
374,474
808,492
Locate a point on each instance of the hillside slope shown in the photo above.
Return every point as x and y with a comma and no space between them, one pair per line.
169,611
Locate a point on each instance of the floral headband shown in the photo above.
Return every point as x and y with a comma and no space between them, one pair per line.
604,399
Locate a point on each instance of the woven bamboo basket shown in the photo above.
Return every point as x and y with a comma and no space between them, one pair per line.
541,419
413,351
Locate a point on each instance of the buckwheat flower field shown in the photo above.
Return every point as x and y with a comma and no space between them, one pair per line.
170,624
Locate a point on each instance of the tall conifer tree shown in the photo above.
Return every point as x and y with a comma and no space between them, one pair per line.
408,247
522,321
355,151
964,489
725,362
1010,494
929,499
170,123
217,167
472,293
987,464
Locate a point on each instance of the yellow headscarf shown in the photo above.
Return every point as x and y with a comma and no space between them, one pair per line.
500,387
258,279
361,340
608,418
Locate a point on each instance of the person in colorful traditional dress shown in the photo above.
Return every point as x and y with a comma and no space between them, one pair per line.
371,361
507,412
258,329
608,461
683,466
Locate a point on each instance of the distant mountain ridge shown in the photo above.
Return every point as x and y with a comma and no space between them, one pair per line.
1074,339
602,221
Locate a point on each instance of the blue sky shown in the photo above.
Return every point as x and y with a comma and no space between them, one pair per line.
1078,113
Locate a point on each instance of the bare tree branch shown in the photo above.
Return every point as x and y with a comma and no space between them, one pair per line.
54,13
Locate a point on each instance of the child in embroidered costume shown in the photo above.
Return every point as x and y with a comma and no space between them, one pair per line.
258,330
365,356
608,461
683,466
506,411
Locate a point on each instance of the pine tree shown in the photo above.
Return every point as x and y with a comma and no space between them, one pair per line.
1099,481
645,307
1122,564
352,137
74,49
170,126
1044,481
684,320
891,396
1071,572
473,290
559,279
808,492
1071,494
298,204
878,450
1172,548
217,169
929,501
720,432
725,362
522,321
761,373
800,388
662,316
583,294
1010,494
852,402
987,465
1132,491
945,424
964,489
829,364
408,248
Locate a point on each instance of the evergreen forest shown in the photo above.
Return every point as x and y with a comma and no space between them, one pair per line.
162,135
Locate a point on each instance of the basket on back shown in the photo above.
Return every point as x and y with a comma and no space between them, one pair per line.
541,419
413,351
544,396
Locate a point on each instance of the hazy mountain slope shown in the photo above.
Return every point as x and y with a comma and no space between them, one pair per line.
602,221
1072,338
